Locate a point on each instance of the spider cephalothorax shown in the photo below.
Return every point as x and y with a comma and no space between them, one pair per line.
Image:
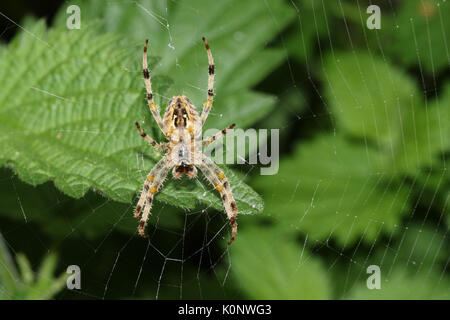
182,126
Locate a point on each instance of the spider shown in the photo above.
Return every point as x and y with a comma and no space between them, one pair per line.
182,126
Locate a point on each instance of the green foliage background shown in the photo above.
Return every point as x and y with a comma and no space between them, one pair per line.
364,119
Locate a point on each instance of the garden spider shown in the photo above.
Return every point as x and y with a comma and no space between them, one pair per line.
182,126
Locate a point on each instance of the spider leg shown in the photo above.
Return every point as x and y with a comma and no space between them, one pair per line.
217,178
154,180
217,136
153,143
210,96
148,86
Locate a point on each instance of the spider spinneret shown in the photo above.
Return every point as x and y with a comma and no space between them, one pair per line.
182,126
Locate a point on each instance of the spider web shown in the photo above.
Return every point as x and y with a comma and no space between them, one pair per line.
189,257
351,257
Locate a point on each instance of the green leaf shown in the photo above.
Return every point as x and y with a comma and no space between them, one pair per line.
25,269
402,286
412,267
371,100
425,133
13,286
417,35
329,187
434,187
9,278
68,116
293,104
310,27
382,105
319,24
46,285
290,271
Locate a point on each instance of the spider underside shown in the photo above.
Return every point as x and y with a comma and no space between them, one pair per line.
182,126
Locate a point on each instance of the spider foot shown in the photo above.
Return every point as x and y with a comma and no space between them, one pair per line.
141,229
234,226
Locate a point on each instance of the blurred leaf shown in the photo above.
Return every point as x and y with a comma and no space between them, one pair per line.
426,135
433,186
312,22
371,100
14,287
448,209
46,285
411,268
417,35
289,271
424,247
402,286
382,105
319,24
9,277
25,269
329,187
77,129
290,107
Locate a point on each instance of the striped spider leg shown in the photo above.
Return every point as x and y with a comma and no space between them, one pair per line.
181,125
217,136
152,183
210,93
148,87
217,178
